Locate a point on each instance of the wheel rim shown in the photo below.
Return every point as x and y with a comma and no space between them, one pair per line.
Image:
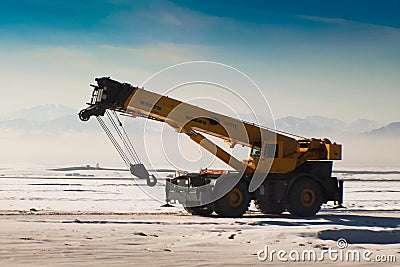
307,197
235,197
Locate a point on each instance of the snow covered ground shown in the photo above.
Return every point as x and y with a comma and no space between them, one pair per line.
117,191
103,217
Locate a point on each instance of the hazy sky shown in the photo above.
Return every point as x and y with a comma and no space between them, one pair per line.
339,59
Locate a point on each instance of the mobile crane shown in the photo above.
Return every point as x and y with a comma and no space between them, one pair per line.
281,173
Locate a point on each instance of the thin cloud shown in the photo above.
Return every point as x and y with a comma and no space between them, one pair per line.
323,19
346,21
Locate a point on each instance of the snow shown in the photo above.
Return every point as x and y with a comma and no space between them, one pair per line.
112,190
103,217
83,190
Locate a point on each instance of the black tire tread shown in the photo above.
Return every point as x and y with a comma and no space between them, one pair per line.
223,209
294,204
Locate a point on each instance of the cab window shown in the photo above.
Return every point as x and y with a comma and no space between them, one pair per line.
256,149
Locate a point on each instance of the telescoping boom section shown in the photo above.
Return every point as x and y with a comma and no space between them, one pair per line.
295,173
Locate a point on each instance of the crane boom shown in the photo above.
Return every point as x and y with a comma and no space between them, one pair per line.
288,153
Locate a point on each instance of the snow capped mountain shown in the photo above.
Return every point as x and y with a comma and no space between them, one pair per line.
390,130
46,118
295,125
54,134
323,126
56,118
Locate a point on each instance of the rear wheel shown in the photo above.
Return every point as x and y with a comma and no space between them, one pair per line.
200,210
305,197
235,203
269,207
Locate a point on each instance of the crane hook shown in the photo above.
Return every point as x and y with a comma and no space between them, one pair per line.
140,171
151,181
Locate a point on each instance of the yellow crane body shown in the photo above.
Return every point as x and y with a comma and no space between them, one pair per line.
289,166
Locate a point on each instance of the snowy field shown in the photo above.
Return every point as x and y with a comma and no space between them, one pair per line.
116,191
101,216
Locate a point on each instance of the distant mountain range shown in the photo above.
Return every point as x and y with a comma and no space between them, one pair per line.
59,118
46,118
390,130
322,126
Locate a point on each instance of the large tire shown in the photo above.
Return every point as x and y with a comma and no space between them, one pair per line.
235,203
205,210
305,197
269,207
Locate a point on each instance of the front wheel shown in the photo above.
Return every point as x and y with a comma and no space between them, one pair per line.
305,197
235,203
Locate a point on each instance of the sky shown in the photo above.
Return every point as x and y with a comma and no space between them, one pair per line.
339,59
